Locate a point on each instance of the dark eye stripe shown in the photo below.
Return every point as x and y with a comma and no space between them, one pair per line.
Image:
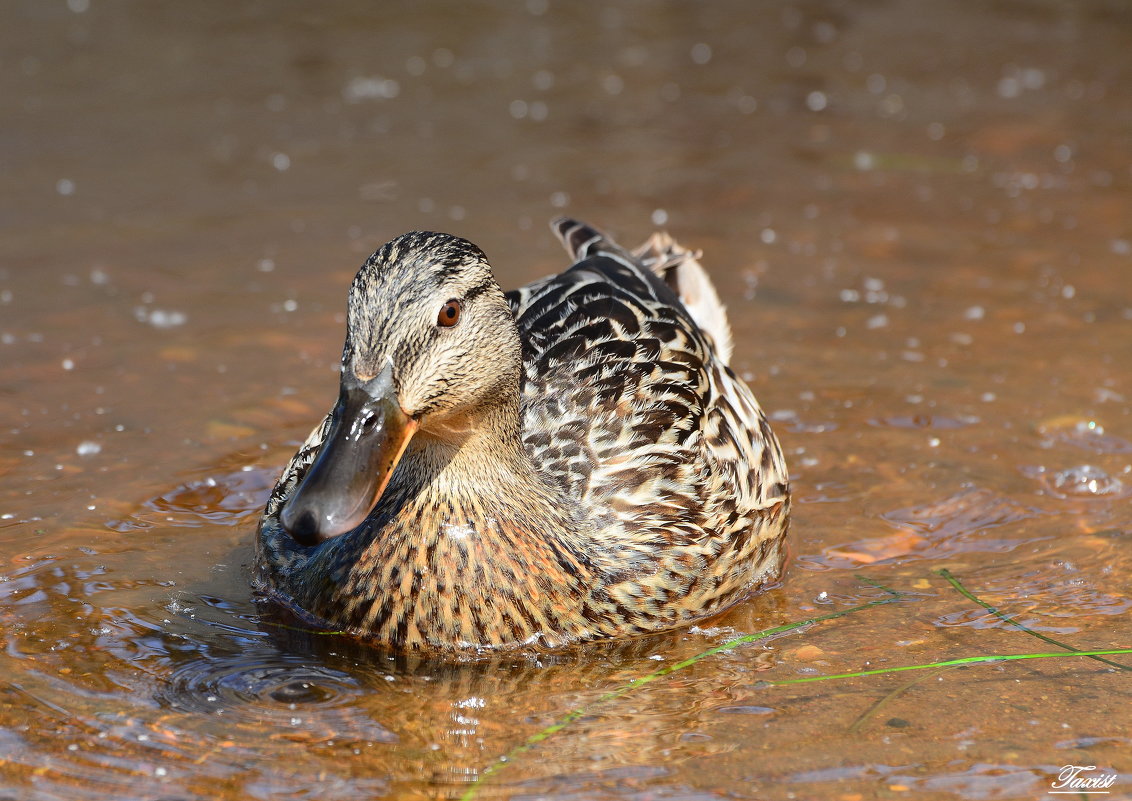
475,291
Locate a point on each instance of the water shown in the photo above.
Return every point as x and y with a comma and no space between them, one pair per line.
917,216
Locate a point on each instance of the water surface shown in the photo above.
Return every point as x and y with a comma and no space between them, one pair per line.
917,215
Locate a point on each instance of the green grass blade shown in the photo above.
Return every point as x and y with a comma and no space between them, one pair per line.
575,714
947,574
967,660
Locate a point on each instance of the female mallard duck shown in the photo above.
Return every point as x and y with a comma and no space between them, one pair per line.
565,462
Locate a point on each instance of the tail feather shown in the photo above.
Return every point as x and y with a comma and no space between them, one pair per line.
582,240
681,270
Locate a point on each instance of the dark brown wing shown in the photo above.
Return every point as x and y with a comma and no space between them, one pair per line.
616,384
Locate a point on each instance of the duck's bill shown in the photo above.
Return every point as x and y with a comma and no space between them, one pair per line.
367,436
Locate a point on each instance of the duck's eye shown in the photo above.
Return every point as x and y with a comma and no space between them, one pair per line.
449,314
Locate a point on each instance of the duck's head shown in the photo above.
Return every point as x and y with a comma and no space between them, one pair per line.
430,341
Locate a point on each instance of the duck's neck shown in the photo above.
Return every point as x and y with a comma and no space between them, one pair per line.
469,451
474,465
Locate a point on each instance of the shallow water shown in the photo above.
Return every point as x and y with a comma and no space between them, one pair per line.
918,217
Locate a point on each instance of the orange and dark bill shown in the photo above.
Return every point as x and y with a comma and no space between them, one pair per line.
368,433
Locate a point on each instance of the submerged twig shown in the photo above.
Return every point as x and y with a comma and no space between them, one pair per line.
863,718
947,574
874,583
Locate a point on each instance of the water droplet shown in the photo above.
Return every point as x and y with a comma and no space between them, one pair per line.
543,80
88,448
746,104
164,318
1085,481
1009,87
824,32
375,87
443,57
613,84
1083,433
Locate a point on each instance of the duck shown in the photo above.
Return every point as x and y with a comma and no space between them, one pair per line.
570,461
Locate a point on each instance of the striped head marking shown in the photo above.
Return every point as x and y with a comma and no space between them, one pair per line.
428,304
429,335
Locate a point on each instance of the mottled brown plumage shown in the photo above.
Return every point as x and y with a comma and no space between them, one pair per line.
578,461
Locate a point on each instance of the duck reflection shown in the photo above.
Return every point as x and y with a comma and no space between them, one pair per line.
413,716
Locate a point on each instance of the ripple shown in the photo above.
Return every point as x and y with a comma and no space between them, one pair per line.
1082,481
826,492
1093,742
271,786
789,420
299,701
954,525
1051,601
225,499
979,781
1082,433
747,710
937,422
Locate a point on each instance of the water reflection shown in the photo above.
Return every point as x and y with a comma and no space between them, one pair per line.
204,684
